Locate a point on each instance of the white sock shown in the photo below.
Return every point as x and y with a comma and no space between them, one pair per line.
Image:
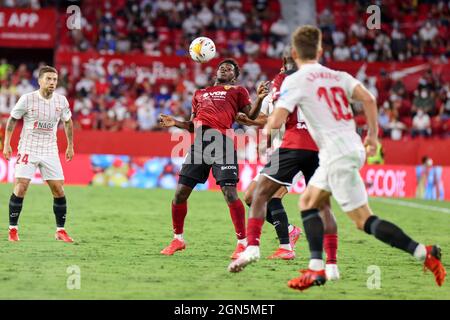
178,236
243,241
13,227
290,228
286,246
316,264
420,253
253,250
59,229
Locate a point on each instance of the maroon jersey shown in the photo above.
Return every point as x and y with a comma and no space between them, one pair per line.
296,135
217,106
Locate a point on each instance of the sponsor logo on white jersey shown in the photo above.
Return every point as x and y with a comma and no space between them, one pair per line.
43,125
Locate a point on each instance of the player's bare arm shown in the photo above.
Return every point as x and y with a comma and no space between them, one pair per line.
167,121
10,126
360,93
243,119
68,128
252,111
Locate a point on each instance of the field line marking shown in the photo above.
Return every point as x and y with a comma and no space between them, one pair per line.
412,205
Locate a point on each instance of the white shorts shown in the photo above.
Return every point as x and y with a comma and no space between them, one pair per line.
49,166
341,177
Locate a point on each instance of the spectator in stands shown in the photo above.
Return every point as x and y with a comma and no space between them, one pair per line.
236,18
428,32
444,111
421,124
251,48
383,119
341,53
251,68
275,49
423,101
146,114
5,69
24,87
396,128
279,30
358,52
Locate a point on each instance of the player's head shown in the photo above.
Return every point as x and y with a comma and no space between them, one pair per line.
288,61
307,43
48,78
228,71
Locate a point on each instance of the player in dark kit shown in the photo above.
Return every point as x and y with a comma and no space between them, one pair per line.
214,110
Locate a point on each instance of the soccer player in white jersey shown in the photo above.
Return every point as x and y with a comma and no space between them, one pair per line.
41,111
323,97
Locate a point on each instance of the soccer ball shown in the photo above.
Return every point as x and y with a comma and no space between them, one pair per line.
202,49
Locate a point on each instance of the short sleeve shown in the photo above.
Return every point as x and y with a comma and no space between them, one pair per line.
244,98
265,105
290,95
66,114
194,102
349,83
20,108
277,82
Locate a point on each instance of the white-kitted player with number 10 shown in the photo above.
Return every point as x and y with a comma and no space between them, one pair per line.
323,95
41,111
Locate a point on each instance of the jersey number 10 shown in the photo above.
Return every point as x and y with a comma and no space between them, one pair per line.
337,101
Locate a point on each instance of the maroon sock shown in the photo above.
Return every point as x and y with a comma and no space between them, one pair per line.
179,212
330,244
254,231
237,212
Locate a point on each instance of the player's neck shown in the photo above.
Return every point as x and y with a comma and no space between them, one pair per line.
300,62
45,94
227,83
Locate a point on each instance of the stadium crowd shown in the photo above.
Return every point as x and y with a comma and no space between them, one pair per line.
411,30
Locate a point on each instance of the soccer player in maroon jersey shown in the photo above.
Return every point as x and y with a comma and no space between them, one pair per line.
297,153
214,110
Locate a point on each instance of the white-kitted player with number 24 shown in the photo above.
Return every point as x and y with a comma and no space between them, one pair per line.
41,111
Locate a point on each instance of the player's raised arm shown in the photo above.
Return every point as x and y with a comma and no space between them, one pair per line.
360,93
252,111
68,128
243,119
167,121
10,126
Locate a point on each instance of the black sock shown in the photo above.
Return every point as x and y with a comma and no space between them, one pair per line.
280,220
389,233
60,210
15,207
269,218
313,226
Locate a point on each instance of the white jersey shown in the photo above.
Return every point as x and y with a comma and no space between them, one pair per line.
323,97
267,108
40,122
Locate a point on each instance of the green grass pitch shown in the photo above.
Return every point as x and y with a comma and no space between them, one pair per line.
119,233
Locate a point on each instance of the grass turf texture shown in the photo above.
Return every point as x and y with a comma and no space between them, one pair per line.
120,232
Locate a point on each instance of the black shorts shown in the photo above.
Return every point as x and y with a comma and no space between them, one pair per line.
284,165
211,149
